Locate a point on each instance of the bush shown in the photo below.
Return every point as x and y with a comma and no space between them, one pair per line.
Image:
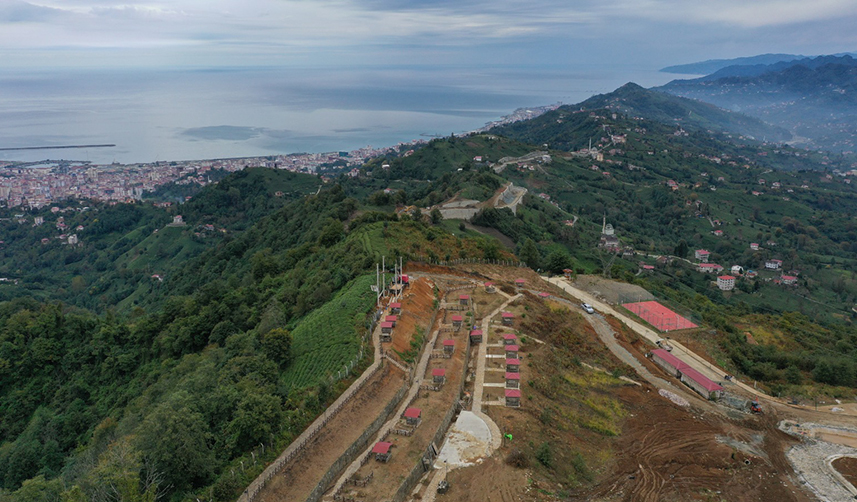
517,459
544,454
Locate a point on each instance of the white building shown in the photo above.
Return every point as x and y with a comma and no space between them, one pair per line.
726,282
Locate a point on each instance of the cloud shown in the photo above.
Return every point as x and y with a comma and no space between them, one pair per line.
14,11
295,32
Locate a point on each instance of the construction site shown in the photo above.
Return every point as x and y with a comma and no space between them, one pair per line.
490,383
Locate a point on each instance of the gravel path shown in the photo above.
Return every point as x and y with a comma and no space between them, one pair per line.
810,462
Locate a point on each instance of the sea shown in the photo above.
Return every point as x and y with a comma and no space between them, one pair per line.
172,114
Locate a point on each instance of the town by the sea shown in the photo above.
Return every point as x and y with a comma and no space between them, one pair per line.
151,117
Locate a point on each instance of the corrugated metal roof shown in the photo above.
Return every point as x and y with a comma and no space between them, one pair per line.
669,358
701,379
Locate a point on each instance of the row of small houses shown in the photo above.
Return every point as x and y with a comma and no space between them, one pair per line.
389,322
701,384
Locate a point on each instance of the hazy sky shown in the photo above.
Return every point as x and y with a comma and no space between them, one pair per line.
650,33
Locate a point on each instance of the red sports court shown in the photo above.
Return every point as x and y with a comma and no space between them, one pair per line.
659,316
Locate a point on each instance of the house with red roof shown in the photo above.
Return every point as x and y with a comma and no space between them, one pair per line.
709,268
513,398
513,380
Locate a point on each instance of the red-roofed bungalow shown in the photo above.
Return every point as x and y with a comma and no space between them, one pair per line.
489,287
520,282
476,336
513,398
508,318
438,375
509,339
511,351
701,384
513,380
387,327
457,321
396,308
544,295
382,451
513,365
448,346
413,416
392,319
463,299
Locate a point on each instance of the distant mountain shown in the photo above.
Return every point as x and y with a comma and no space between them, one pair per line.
813,97
713,65
635,101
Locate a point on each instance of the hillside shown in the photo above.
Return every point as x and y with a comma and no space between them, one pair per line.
813,98
635,101
175,350
713,65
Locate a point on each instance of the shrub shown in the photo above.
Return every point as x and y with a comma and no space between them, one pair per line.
544,454
517,459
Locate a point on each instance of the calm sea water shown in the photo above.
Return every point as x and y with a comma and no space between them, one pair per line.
197,114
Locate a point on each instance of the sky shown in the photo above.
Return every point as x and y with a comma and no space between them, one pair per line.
45,34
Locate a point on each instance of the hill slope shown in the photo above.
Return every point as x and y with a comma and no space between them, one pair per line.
813,98
635,101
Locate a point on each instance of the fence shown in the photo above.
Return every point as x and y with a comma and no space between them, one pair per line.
463,261
357,447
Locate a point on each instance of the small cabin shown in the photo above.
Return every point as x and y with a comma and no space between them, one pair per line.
386,331
489,287
513,365
382,451
396,308
544,296
448,346
508,318
413,416
513,380
392,319
457,321
438,375
520,283
513,398
568,273
476,336
509,339
464,300
511,351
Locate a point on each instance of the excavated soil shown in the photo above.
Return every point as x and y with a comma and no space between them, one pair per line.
847,466
417,307
668,453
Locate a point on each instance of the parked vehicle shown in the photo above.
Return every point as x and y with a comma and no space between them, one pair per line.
588,308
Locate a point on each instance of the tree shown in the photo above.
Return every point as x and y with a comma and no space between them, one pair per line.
557,261
436,217
277,346
529,254
681,249
176,439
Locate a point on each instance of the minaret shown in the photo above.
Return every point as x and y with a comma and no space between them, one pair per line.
604,223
